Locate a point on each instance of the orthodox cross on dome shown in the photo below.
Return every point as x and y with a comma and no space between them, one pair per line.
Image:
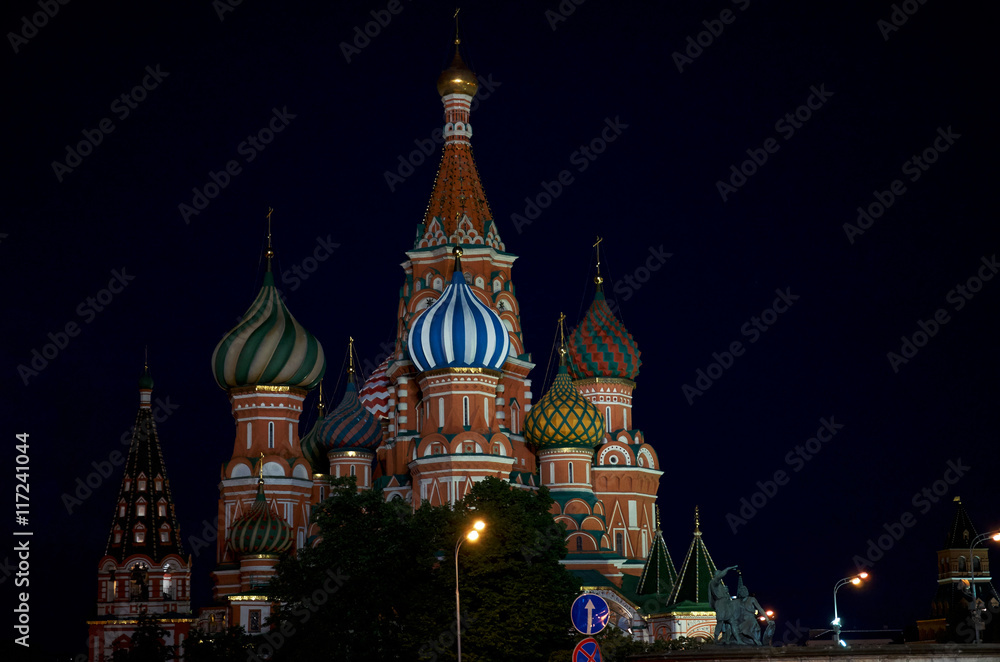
458,252
350,359
597,279
562,339
697,522
270,251
260,469
457,40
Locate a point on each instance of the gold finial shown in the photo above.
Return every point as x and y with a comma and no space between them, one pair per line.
657,510
350,356
597,279
457,40
270,251
957,499
562,340
320,406
457,252
260,469
145,360
697,521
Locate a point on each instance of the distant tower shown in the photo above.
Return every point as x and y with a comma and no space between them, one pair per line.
950,609
144,569
266,364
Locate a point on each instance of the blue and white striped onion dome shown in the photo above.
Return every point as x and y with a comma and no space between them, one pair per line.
458,330
268,346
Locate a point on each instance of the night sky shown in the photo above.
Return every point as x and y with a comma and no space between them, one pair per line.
695,251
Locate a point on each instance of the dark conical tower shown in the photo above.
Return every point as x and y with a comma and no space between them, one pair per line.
144,569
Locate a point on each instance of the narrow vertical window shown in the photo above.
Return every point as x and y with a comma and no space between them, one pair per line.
249,435
607,418
270,434
571,472
465,410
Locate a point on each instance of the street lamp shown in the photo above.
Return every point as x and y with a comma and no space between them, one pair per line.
853,579
974,607
472,535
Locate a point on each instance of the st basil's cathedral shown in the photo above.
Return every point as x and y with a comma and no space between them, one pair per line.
450,406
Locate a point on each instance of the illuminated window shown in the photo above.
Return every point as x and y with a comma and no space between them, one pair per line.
161,509
164,536
121,509
142,484
118,537
140,509
140,536
159,485
128,484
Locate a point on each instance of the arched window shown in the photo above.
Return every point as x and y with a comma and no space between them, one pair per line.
515,419
354,471
975,564
140,509
270,434
607,418
961,564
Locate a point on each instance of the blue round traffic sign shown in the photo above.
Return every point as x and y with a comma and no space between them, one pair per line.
589,613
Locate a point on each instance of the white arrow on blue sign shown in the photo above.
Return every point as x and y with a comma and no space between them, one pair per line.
589,613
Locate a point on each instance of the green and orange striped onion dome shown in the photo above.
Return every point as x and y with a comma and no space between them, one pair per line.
601,346
268,346
563,418
259,530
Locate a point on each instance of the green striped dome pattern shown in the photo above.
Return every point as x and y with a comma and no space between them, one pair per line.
563,418
268,346
259,530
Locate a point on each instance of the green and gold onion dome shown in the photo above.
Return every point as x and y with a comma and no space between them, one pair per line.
457,78
259,530
268,347
563,418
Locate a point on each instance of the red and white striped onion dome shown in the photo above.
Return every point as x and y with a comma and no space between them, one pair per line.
375,391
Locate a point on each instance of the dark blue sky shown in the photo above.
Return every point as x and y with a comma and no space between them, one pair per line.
837,106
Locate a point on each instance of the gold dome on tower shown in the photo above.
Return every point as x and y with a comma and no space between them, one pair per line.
457,78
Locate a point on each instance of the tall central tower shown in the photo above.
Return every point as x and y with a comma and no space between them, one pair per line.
457,382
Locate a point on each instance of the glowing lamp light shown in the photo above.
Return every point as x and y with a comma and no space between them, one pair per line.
842,643
864,575
479,525
472,535
856,581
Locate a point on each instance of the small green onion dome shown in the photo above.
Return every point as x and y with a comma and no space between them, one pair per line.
146,381
268,347
563,418
260,530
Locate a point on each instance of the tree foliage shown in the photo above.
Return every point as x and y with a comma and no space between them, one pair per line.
231,645
380,582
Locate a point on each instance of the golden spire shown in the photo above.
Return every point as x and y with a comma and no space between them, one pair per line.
260,469
270,251
457,40
145,359
597,279
350,358
320,406
697,522
562,340
657,509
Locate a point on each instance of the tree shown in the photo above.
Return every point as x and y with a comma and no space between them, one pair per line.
230,645
147,643
380,582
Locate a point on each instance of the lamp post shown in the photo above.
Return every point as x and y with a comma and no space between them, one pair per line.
853,579
472,535
982,537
